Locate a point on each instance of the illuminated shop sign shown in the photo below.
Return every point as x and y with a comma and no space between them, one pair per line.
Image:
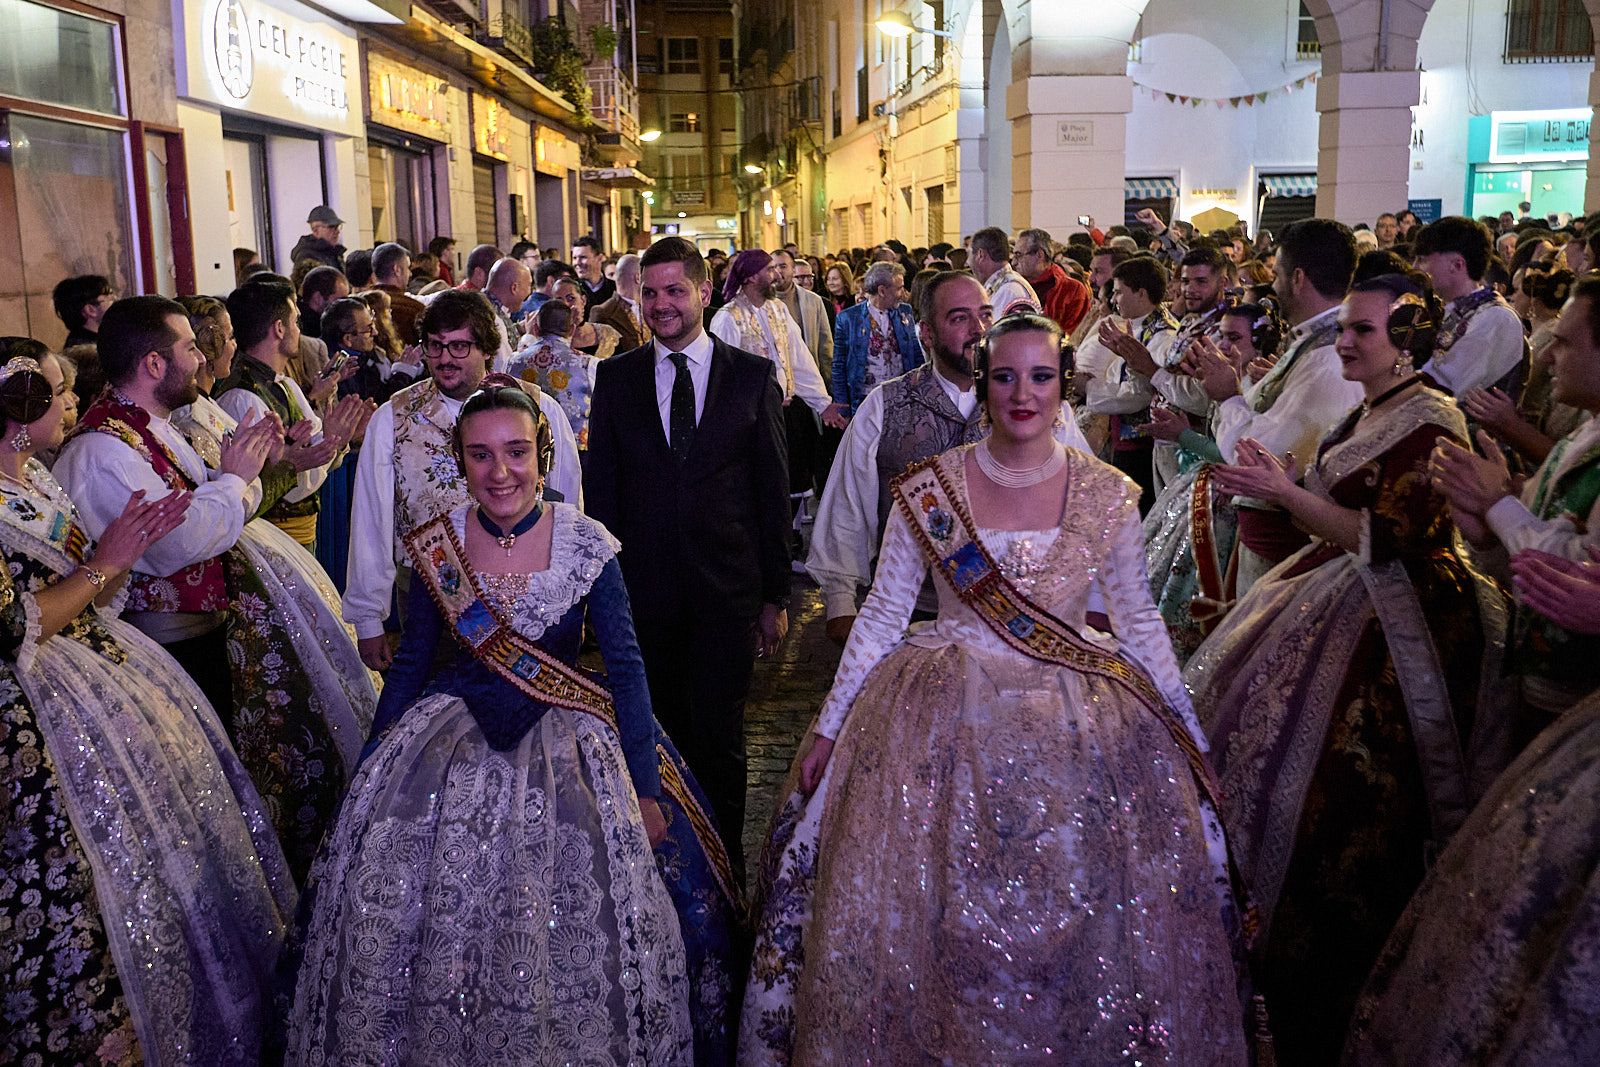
279,60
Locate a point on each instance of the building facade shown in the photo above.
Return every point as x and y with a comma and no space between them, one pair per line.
92,175
1027,112
689,103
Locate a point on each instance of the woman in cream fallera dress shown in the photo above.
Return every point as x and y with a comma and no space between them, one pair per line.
1006,860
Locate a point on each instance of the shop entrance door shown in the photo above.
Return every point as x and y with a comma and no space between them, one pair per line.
249,222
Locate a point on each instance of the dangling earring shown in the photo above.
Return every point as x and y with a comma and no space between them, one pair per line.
20,441
983,417
1402,364
1061,420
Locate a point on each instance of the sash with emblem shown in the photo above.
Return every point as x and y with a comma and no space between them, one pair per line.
946,533
441,563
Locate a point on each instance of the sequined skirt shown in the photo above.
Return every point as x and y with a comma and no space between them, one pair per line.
475,906
1006,862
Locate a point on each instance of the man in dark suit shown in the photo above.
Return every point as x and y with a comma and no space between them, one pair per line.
688,468
623,312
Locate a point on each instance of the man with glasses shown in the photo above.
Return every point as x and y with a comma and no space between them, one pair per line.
322,243
408,472
991,264
1062,297
350,329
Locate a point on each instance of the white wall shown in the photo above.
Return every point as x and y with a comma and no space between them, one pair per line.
208,198
1214,49
1464,75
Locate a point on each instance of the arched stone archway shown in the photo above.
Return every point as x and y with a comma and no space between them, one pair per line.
1368,87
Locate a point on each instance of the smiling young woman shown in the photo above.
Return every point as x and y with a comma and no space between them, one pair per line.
960,755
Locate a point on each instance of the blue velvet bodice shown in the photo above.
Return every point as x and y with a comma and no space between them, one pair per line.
503,712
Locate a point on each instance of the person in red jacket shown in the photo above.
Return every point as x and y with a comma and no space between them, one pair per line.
1065,299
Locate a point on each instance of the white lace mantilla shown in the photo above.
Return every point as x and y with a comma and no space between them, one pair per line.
579,549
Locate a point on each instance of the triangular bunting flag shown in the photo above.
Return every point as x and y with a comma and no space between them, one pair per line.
1171,97
1262,97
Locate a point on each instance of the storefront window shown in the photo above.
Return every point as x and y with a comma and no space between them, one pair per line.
70,187
58,57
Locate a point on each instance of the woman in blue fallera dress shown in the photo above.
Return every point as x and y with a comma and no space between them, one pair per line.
523,871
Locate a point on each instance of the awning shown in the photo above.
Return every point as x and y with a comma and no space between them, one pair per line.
1289,184
619,178
1149,189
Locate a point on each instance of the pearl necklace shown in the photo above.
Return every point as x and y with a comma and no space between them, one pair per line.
1011,477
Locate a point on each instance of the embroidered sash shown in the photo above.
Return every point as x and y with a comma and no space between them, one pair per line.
948,540
1211,601
442,564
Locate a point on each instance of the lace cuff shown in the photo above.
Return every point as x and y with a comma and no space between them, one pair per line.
1364,538
31,630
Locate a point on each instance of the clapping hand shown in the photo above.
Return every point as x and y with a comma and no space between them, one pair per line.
140,525
303,450
246,452
1257,368
1562,590
1491,407
1166,424
833,415
1258,473
1205,362
1119,340
347,420
1471,483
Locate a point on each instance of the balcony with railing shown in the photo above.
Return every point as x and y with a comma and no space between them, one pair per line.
505,28
615,100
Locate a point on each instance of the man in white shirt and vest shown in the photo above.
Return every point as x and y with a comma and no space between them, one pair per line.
1481,341
408,472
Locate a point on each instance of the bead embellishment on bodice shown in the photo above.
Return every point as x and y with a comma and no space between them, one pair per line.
1024,556
504,590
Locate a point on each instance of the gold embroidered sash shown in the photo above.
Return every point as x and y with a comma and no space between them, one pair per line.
948,539
441,563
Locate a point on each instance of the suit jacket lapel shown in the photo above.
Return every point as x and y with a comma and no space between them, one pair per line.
716,386
647,411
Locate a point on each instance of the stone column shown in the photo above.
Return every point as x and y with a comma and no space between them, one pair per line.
1069,142
1591,187
1364,143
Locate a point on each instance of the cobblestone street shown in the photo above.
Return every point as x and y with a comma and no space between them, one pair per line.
784,698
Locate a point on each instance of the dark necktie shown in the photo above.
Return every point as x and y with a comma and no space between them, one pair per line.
681,415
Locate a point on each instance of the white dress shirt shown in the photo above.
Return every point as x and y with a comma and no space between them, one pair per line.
369,574
846,535
100,472
236,402
698,352
1488,349
1007,290
808,383
1315,396
1565,535
1120,391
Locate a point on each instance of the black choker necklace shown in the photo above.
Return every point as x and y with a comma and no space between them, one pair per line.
507,540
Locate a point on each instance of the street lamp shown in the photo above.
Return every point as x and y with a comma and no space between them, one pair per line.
895,24
898,24
650,135
751,168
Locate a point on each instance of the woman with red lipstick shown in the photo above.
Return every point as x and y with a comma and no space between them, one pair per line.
1009,849
1350,695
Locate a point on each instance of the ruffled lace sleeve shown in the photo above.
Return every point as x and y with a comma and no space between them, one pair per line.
882,622
1138,626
